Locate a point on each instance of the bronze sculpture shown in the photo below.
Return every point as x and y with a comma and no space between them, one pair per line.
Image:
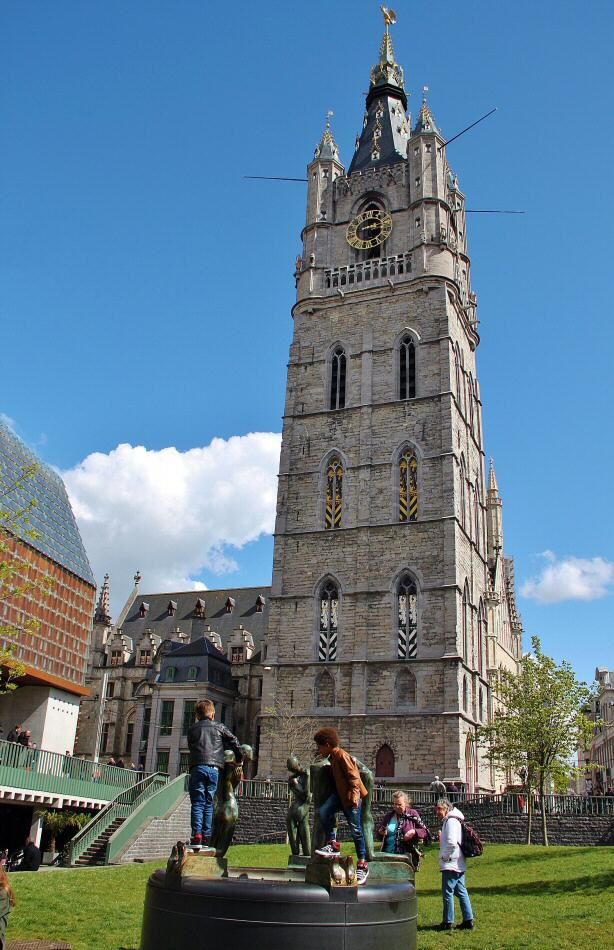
226,807
322,786
297,819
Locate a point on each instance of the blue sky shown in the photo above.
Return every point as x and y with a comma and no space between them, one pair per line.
146,286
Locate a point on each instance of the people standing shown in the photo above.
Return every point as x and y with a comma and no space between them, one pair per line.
207,741
14,734
437,787
453,866
348,798
31,860
402,829
7,901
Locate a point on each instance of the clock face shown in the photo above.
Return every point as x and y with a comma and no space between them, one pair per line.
369,229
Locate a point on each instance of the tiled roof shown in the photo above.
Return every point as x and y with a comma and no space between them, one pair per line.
186,620
52,519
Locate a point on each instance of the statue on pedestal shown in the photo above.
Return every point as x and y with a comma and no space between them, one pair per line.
297,819
226,807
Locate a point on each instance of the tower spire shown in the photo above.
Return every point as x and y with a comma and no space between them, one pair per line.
327,150
385,131
425,121
103,607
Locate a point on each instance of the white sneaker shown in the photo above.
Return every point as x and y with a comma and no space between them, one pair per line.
328,851
362,872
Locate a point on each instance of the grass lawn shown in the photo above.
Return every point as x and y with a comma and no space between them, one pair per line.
523,897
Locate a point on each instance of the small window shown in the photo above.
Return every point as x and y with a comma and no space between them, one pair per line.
143,609
193,673
427,148
337,379
145,657
170,674
418,181
260,602
417,222
166,717
237,654
407,368
229,605
199,608
116,657
110,690
172,608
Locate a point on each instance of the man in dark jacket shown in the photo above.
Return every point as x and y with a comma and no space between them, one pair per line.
207,741
14,734
31,857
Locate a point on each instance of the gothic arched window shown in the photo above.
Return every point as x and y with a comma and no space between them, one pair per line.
337,378
407,619
476,512
325,690
482,638
463,492
329,622
408,487
334,493
405,688
384,762
457,375
407,368
465,695
466,621
481,705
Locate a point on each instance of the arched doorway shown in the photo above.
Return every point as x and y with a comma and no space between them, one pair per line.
384,762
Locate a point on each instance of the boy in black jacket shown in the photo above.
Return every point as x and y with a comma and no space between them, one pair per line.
207,741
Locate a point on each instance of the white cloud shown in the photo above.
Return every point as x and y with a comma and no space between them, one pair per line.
570,578
171,514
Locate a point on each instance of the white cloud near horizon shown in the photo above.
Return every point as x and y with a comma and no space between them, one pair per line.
173,514
570,578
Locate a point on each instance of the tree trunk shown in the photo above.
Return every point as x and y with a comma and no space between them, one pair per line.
544,823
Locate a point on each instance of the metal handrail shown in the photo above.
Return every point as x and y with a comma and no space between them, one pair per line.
41,770
121,806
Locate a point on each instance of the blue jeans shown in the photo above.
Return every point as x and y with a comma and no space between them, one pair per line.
453,882
203,783
353,816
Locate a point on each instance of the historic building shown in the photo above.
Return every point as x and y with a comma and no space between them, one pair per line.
54,616
392,603
600,780
165,652
392,607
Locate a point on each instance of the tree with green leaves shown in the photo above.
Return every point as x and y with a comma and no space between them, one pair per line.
61,823
539,723
15,585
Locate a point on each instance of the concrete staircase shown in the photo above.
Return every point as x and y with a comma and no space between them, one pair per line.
156,839
95,854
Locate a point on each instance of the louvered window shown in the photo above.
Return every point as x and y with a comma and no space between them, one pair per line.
407,611
329,621
337,379
334,494
407,368
408,487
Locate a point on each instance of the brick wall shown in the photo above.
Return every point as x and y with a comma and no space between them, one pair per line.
263,820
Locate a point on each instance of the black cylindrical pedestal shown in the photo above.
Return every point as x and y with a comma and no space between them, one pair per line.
241,914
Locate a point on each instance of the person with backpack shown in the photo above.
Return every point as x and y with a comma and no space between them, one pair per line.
453,866
402,830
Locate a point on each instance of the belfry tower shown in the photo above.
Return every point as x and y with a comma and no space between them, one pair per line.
391,608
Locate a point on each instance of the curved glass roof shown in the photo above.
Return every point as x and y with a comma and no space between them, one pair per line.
52,517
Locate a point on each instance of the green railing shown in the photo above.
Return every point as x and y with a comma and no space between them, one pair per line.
156,806
37,770
120,807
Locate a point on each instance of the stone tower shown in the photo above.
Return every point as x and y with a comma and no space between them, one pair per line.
385,621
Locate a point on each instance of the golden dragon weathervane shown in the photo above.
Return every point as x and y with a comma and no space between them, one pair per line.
390,17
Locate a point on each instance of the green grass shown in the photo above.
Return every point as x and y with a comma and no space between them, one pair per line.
546,898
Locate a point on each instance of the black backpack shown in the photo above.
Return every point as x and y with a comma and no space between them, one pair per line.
471,843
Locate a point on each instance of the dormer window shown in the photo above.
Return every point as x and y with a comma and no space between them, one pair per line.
116,657
145,657
172,608
170,674
229,605
236,654
193,673
260,602
199,609
143,609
